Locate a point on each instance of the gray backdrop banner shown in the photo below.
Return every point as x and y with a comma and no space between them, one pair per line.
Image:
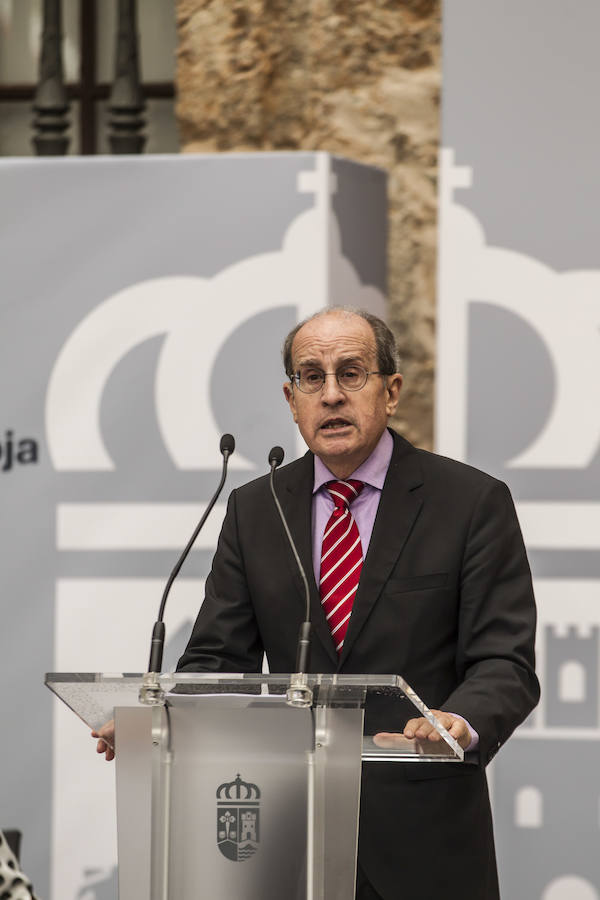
143,305
518,376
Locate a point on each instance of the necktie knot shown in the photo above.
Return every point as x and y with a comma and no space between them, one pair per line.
344,492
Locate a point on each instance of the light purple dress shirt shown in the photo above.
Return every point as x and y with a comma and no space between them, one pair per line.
364,509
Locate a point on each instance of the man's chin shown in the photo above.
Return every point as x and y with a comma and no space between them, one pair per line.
335,450
336,441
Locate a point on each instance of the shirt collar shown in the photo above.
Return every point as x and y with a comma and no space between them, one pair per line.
372,471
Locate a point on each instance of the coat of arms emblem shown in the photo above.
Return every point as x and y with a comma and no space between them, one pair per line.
238,831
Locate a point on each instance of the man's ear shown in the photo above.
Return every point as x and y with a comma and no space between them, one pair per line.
288,393
394,386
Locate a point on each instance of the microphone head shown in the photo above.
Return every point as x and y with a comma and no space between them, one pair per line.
227,444
276,455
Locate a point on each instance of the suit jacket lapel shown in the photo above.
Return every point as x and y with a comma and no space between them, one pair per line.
296,502
399,507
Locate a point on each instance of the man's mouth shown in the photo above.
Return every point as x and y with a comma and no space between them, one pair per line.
334,424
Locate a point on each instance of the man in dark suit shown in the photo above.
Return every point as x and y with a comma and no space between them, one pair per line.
440,593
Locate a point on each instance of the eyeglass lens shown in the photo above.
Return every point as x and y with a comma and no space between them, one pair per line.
350,378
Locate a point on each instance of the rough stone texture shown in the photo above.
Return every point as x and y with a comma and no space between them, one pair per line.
359,78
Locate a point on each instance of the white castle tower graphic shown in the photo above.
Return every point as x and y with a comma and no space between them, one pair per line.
550,778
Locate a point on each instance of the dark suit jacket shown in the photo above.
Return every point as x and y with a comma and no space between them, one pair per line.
445,599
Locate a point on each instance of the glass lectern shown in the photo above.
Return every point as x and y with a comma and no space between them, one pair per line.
227,791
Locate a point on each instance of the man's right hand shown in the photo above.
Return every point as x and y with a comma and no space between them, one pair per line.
106,740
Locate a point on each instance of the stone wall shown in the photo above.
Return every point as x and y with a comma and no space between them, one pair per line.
359,78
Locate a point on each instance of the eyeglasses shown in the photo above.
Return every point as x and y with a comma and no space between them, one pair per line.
350,378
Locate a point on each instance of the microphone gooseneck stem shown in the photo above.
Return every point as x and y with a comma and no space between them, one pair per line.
158,632
292,544
299,693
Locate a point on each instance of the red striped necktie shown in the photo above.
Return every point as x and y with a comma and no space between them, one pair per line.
341,559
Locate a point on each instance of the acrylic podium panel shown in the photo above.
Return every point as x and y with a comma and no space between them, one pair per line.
224,790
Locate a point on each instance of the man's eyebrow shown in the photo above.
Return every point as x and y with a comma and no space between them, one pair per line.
344,361
349,360
308,362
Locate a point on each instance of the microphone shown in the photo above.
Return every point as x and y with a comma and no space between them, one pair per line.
150,692
227,445
276,455
299,693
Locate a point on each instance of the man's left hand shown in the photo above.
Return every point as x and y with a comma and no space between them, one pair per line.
423,730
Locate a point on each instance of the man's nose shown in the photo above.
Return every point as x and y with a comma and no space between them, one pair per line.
331,392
